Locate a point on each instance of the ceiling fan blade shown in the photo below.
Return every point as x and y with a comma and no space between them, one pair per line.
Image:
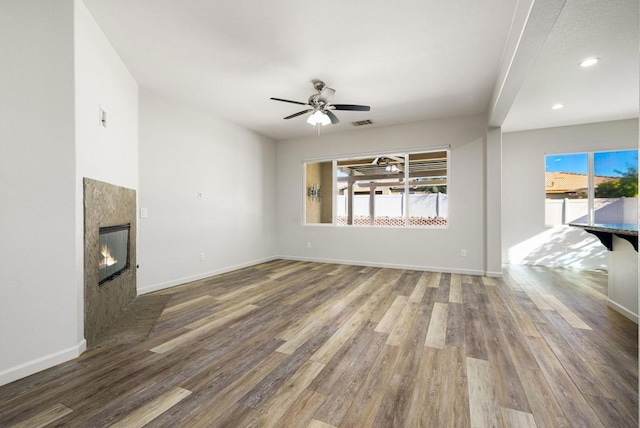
326,94
299,113
289,101
333,117
354,107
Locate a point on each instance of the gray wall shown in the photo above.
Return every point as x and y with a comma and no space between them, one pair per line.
186,151
525,238
39,291
414,248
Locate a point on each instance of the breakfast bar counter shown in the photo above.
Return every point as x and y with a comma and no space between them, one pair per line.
622,242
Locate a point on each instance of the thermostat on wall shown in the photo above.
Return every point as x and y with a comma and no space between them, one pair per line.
103,118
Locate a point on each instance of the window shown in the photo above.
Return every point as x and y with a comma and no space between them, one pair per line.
594,187
387,190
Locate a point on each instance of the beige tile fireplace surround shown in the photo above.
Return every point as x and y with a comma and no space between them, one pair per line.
106,205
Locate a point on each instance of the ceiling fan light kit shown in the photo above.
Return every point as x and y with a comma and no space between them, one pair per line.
318,118
320,106
589,62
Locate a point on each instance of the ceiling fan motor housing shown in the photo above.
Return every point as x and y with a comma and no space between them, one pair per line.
321,103
318,84
314,101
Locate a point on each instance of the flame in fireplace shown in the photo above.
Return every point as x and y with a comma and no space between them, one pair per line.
107,260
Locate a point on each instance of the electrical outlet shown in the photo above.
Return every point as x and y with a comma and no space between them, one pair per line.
308,244
463,253
201,257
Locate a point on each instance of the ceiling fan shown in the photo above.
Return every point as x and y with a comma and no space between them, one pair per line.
321,107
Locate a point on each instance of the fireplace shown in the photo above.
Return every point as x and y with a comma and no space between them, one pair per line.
114,252
109,255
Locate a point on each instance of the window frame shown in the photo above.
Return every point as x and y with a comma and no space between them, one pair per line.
591,186
386,153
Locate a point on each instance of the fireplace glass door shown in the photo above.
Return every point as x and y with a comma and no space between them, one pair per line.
114,252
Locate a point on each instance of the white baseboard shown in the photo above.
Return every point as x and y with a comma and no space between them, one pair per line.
624,311
493,274
386,265
42,363
186,279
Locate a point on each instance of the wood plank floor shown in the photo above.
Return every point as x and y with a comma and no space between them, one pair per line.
296,344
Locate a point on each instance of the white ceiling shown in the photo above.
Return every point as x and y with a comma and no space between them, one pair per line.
409,60
608,30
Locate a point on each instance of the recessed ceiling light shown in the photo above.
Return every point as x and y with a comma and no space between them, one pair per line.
588,62
557,106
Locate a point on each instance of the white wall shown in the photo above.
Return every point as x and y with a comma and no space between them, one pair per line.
107,154
525,239
184,151
39,289
59,67
427,249
622,292
493,202
101,79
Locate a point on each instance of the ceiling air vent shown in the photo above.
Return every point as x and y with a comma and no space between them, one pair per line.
362,122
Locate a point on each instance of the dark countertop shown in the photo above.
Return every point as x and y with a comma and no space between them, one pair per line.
630,229
605,231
